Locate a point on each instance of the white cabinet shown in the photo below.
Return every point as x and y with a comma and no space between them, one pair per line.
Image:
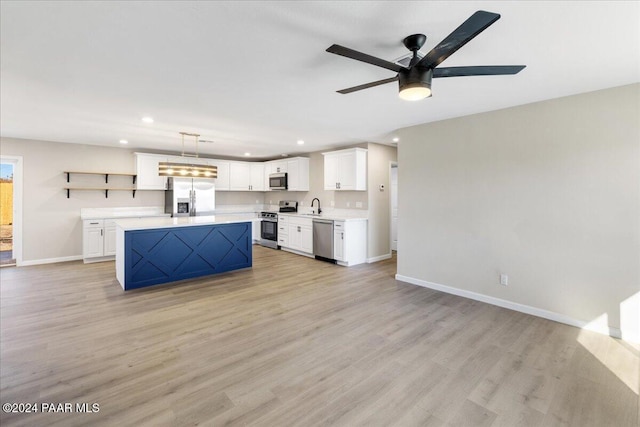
283,231
338,240
98,239
298,174
297,169
239,176
256,230
295,233
147,172
92,238
222,182
257,177
345,170
245,176
276,166
109,238
350,242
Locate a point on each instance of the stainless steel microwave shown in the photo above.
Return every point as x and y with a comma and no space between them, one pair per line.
278,181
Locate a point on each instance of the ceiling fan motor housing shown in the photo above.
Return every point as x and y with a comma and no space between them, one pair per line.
415,77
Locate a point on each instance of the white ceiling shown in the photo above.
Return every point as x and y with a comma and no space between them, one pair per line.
255,77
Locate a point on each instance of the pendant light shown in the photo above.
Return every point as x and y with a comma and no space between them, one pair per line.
187,169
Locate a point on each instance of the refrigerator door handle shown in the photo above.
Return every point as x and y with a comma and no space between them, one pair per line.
192,194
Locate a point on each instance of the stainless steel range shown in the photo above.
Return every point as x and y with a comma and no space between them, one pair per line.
269,223
269,229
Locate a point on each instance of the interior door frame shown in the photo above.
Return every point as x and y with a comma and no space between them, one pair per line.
16,161
392,164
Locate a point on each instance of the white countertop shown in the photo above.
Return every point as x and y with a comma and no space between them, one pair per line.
187,221
124,212
330,216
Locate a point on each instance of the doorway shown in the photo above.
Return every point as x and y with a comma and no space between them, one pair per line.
10,210
393,189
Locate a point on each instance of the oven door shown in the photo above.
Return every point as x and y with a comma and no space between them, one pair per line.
269,234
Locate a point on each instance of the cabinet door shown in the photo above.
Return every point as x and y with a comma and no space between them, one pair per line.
110,241
222,183
330,172
279,166
306,239
338,245
346,171
255,231
92,242
294,236
147,171
239,176
257,177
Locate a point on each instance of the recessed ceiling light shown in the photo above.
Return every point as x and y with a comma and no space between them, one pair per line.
124,141
147,119
396,139
284,155
300,142
247,154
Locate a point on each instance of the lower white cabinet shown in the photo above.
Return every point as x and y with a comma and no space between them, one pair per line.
350,242
296,233
256,231
98,240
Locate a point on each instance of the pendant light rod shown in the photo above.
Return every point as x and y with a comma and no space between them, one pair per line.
196,136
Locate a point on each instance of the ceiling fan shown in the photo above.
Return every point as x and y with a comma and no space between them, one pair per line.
415,79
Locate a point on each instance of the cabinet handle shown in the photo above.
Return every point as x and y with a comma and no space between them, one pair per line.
101,232
341,236
298,229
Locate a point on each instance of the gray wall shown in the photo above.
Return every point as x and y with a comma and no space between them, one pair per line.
548,193
379,158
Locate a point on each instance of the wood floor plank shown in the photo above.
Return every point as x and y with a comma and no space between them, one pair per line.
296,342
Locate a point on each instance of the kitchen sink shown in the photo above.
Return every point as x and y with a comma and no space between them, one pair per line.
308,214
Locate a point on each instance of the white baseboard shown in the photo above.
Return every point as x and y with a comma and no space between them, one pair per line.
49,260
545,314
378,258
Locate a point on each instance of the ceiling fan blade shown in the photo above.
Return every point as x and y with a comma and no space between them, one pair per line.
359,56
477,23
483,70
367,85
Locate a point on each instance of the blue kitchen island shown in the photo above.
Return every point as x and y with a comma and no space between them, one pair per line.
152,251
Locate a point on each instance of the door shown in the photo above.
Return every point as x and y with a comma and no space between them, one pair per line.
393,184
11,210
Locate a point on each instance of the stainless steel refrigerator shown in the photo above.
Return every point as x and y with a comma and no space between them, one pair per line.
190,197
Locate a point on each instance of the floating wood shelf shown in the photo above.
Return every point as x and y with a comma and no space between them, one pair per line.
106,181
106,190
106,175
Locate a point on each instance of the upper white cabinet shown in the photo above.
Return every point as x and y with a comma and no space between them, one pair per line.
239,176
245,176
257,176
345,170
297,169
232,175
223,182
147,171
298,174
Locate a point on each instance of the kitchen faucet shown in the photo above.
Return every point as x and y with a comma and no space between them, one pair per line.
319,210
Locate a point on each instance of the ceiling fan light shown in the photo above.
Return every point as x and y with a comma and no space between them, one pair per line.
415,84
415,93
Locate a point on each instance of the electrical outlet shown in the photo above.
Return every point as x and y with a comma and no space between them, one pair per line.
257,201
358,204
332,204
504,280
348,204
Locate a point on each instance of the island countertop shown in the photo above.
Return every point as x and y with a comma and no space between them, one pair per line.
186,221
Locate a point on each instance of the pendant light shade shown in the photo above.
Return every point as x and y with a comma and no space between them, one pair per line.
188,169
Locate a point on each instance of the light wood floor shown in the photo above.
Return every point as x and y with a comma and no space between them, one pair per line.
297,342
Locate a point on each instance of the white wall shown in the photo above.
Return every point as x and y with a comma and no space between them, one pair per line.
548,193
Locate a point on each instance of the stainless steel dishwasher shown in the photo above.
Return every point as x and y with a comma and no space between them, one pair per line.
323,239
